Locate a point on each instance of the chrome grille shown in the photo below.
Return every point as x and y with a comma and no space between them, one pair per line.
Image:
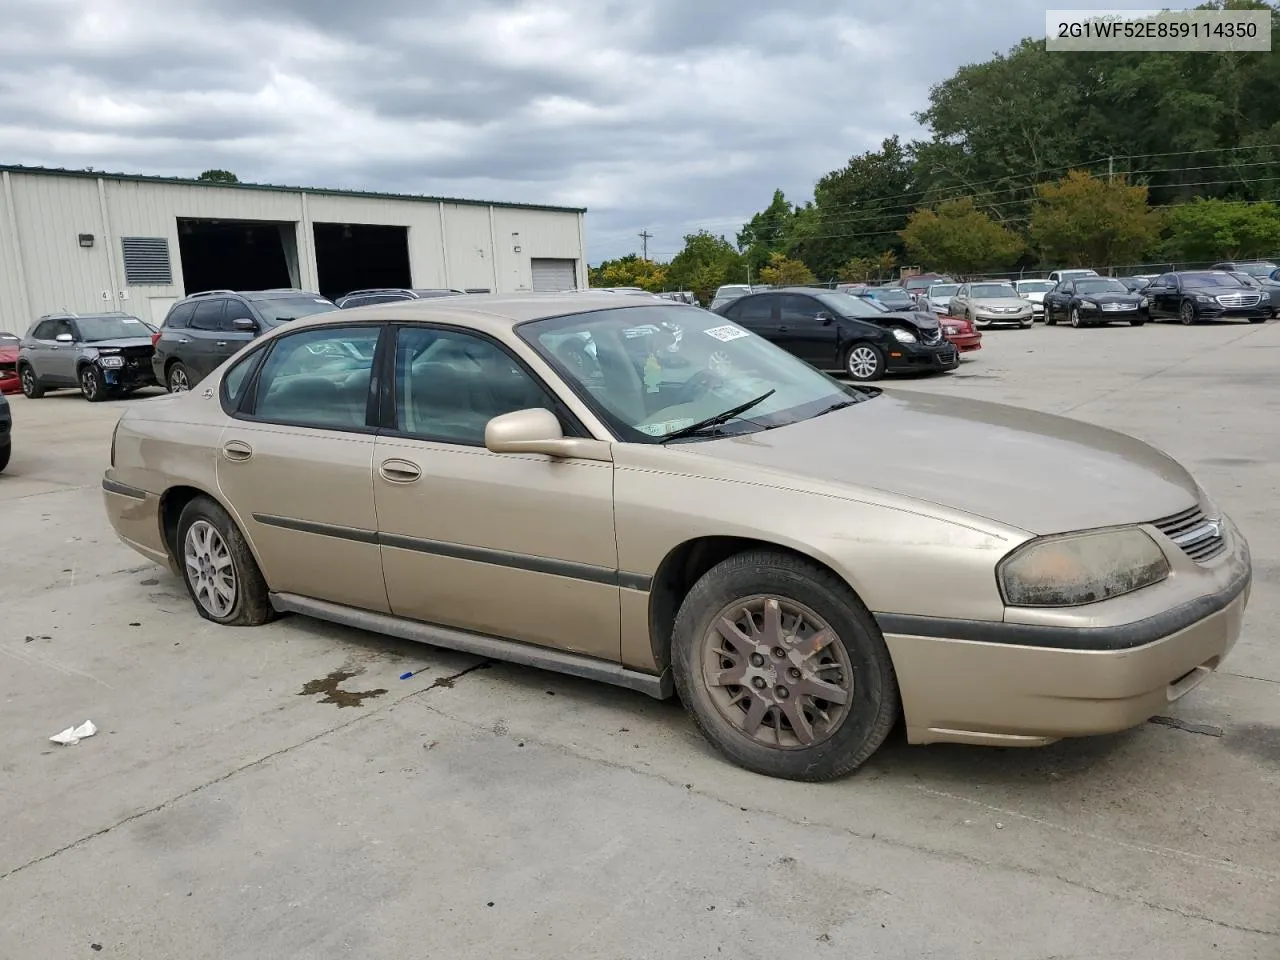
1198,536
1240,299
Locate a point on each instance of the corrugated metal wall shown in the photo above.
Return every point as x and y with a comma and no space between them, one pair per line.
45,268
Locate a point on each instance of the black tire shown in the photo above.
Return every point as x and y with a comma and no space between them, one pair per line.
1137,321
874,705
250,606
31,388
177,379
5,453
864,362
1258,319
1049,319
1187,313
1075,318
91,384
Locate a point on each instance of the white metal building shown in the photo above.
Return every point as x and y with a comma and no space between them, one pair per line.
85,241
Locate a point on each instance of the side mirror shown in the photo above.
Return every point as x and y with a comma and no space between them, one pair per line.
245,324
538,431
64,338
823,317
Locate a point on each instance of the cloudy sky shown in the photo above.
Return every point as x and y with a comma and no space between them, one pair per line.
665,115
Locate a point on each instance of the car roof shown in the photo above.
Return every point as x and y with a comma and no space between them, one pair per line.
489,312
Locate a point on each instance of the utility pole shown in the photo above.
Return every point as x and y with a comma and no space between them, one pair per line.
645,236
1111,168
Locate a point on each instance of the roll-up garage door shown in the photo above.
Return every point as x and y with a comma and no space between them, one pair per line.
553,276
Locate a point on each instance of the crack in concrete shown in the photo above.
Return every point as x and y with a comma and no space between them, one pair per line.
440,682
897,843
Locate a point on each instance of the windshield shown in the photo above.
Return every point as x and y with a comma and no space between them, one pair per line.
847,305
650,371
731,293
890,294
1211,280
920,283
992,291
1035,286
291,308
943,290
1101,285
97,329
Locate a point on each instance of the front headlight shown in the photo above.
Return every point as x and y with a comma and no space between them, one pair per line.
111,361
1201,298
1144,302
1081,568
1088,305
903,336
951,331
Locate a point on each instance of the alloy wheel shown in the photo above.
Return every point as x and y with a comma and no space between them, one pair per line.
210,570
1187,314
864,363
89,384
178,381
28,381
1075,316
776,671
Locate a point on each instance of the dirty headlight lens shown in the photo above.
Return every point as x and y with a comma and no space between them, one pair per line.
111,361
1082,568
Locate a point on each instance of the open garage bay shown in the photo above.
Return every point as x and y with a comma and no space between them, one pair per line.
279,792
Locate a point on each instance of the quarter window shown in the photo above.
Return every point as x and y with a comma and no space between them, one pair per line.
449,385
319,378
180,316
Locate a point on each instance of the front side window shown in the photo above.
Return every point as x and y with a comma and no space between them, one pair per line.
208,315
450,384
650,371
98,329
318,378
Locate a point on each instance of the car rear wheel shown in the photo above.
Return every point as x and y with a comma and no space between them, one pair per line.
1187,313
218,568
177,380
30,383
91,384
782,668
864,362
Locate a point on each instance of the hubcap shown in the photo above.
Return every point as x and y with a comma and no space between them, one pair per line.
775,671
210,571
178,380
862,362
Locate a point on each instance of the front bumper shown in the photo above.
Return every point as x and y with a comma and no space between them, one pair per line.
1027,684
1097,315
902,357
1023,317
965,342
1208,311
129,377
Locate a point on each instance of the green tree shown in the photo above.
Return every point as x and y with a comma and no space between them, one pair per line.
956,237
218,176
856,270
704,263
784,272
1084,220
769,231
630,271
1222,230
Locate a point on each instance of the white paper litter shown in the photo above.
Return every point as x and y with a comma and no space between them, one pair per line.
73,735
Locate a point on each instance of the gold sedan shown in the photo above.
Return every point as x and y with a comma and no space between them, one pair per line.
645,494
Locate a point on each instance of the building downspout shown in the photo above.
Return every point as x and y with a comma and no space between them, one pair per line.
109,243
581,267
444,248
11,217
493,249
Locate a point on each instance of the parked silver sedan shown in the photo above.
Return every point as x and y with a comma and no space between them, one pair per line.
994,302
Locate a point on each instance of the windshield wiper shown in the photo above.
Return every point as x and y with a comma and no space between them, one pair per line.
718,419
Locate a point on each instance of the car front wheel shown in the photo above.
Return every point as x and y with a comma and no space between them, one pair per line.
864,362
1187,313
218,568
91,384
782,668
1075,317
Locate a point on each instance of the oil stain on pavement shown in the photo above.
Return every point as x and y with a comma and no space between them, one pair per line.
342,698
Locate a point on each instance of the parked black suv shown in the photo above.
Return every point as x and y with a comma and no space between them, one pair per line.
205,329
104,354
837,331
1196,295
367,298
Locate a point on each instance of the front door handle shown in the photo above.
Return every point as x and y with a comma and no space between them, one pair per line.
237,450
184,339
399,471
221,343
783,328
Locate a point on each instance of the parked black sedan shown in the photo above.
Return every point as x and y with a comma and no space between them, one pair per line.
1195,295
839,332
1093,301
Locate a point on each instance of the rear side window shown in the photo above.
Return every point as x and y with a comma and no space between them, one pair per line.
179,317
754,311
318,378
208,315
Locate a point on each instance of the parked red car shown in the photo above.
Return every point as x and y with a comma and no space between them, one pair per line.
961,333
9,382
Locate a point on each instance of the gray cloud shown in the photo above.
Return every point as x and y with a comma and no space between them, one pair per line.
668,115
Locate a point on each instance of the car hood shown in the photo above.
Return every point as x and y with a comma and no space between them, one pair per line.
989,303
8,354
1215,291
1038,472
121,343
1132,299
916,318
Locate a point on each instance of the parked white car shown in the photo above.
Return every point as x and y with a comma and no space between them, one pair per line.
938,296
1059,275
1034,290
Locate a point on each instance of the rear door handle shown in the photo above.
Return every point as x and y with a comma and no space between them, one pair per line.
221,343
237,450
399,471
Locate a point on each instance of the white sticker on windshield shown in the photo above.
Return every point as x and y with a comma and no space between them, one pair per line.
131,320
726,333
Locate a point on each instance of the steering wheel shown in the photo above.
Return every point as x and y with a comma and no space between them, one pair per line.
702,382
